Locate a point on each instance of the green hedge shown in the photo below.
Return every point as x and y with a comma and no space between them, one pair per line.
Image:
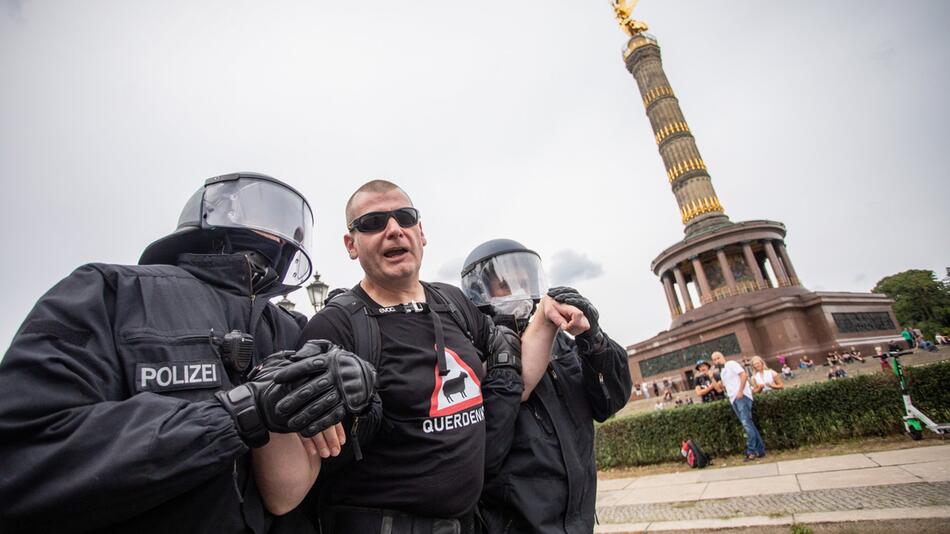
823,412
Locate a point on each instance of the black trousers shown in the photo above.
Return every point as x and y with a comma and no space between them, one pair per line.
358,520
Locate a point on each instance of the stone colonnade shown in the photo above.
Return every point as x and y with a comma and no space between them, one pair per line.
727,271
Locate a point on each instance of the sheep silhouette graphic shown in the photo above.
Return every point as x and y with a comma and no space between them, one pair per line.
458,390
453,386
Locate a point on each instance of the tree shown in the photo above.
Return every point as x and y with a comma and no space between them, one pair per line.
920,299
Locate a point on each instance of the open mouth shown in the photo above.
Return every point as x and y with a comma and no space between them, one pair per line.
395,252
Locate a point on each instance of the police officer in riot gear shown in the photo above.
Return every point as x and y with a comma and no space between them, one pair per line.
545,480
504,279
131,395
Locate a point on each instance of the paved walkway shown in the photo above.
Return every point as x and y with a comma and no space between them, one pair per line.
916,478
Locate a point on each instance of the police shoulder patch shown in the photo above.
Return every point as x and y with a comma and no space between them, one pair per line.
176,376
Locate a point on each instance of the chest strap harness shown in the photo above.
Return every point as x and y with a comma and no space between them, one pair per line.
421,307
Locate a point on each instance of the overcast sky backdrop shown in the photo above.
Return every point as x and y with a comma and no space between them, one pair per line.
499,118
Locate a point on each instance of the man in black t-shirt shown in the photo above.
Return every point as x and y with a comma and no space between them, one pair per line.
414,462
425,458
708,384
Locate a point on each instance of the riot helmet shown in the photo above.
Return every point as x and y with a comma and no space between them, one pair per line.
505,280
243,211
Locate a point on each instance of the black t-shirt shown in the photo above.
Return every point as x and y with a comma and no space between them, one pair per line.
428,456
703,380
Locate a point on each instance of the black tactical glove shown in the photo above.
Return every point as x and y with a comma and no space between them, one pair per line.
306,392
244,401
504,348
327,383
592,341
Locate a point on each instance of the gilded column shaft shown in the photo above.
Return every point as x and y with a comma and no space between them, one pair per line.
686,171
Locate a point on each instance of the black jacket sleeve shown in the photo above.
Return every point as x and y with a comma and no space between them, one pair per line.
75,448
501,398
607,380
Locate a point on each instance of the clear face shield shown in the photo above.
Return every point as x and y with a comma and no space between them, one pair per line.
265,207
511,283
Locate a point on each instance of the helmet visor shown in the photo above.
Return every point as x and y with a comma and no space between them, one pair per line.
267,207
505,278
298,269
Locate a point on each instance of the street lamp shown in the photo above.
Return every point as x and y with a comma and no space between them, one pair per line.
286,303
317,291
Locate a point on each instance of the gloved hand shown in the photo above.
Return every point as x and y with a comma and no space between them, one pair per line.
591,341
326,383
244,402
306,392
504,348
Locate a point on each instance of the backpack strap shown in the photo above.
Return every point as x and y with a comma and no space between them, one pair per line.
366,330
364,327
366,341
445,303
449,299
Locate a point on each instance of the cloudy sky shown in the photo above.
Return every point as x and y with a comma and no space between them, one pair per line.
501,119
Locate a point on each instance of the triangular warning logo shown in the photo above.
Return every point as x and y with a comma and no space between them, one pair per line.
456,391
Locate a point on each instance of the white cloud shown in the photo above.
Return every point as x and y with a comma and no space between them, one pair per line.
569,267
450,271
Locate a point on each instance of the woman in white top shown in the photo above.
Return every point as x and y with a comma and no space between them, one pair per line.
763,378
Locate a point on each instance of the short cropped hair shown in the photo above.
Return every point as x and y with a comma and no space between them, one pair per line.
372,186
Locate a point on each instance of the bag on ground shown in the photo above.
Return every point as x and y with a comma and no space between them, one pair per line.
694,454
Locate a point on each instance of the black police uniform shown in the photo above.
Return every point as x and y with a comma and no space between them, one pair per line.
108,421
541,475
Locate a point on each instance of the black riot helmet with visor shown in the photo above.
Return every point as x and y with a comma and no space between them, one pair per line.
248,211
505,280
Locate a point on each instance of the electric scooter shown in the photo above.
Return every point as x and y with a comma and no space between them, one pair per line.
914,419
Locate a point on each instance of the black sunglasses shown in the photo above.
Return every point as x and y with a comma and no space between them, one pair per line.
375,221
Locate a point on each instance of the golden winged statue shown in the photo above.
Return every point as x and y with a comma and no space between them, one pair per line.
623,10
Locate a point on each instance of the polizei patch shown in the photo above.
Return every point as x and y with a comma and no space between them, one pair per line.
175,376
